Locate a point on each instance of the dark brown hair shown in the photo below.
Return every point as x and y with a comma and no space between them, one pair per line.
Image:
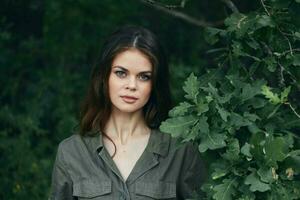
96,107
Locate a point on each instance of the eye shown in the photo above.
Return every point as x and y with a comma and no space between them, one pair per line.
144,77
120,73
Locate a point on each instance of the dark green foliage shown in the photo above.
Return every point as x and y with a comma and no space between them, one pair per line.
47,50
242,112
248,118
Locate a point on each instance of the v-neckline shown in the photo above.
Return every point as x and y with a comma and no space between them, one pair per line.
137,164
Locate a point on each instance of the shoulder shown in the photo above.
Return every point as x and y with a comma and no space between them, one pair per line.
69,145
69,142
176,146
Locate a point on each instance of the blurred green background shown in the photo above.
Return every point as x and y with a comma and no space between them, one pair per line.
47,50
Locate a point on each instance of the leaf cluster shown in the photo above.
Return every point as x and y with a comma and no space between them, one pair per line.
240,114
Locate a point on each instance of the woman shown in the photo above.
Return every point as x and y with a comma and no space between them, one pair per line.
119,152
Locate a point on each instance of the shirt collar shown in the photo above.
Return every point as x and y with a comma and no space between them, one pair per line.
158,142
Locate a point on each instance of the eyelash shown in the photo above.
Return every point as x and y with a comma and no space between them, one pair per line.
120,74
142,77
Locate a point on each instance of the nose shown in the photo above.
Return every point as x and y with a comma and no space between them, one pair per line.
131,85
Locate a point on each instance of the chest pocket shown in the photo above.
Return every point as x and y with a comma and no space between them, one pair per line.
155,190
92,189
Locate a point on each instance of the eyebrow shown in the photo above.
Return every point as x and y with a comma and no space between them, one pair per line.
127,69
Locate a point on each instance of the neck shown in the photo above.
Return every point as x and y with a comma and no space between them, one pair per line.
123,126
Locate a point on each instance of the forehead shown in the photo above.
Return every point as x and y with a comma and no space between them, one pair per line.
132,59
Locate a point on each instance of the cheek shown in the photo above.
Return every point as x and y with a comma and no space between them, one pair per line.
112,89
147,90
112,84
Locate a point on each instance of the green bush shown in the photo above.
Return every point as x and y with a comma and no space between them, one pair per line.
244,113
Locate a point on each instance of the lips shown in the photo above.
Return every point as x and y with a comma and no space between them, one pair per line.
129,99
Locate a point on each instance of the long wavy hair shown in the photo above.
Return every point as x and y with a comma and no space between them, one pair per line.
96,106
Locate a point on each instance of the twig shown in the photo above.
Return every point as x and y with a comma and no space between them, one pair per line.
264,6
288,51
216,50
181,5
281,74
288,34
231,5
284,69
270,52
293,109
283,34
287,39
183,16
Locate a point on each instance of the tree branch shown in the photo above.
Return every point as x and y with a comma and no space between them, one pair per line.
231,5
293,109
180,15
264,6
168,6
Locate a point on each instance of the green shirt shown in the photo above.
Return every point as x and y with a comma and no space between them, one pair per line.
83,169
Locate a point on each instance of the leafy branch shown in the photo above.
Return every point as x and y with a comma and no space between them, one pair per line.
177,14
169,9
237,117
231,5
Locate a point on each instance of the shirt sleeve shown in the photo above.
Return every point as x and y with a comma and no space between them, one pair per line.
193,174
61,184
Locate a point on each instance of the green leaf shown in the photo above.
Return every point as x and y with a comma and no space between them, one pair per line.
271,63
181,109
238,121
178,126
213,91
253,128
285,192
257,102
220,170
251,117
266,174
256,184
233,150
191,87
223,113
265,20
203,125
238,50
226,190
257,146
193,133
246,150
294,163
212,141
202,107
211,76
249,91
211,34
273,98
240,24
276,150
253,44
246,193
219,173
284,94
296,60
294,153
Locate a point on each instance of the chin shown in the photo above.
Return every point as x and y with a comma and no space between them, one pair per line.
128,109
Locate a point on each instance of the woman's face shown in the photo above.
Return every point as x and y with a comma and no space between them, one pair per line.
130,81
